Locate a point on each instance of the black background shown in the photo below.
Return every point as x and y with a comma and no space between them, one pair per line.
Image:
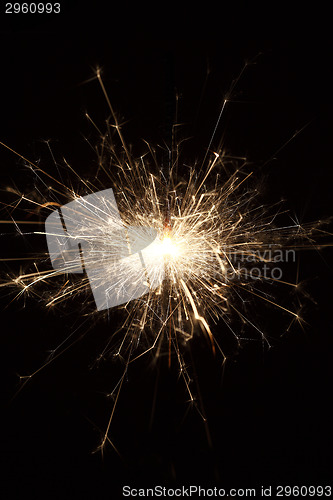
269,413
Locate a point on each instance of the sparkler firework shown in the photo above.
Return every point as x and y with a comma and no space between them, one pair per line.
188,247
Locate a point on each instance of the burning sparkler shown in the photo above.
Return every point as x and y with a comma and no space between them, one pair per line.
172,248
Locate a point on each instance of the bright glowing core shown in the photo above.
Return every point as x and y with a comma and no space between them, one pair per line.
168,247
